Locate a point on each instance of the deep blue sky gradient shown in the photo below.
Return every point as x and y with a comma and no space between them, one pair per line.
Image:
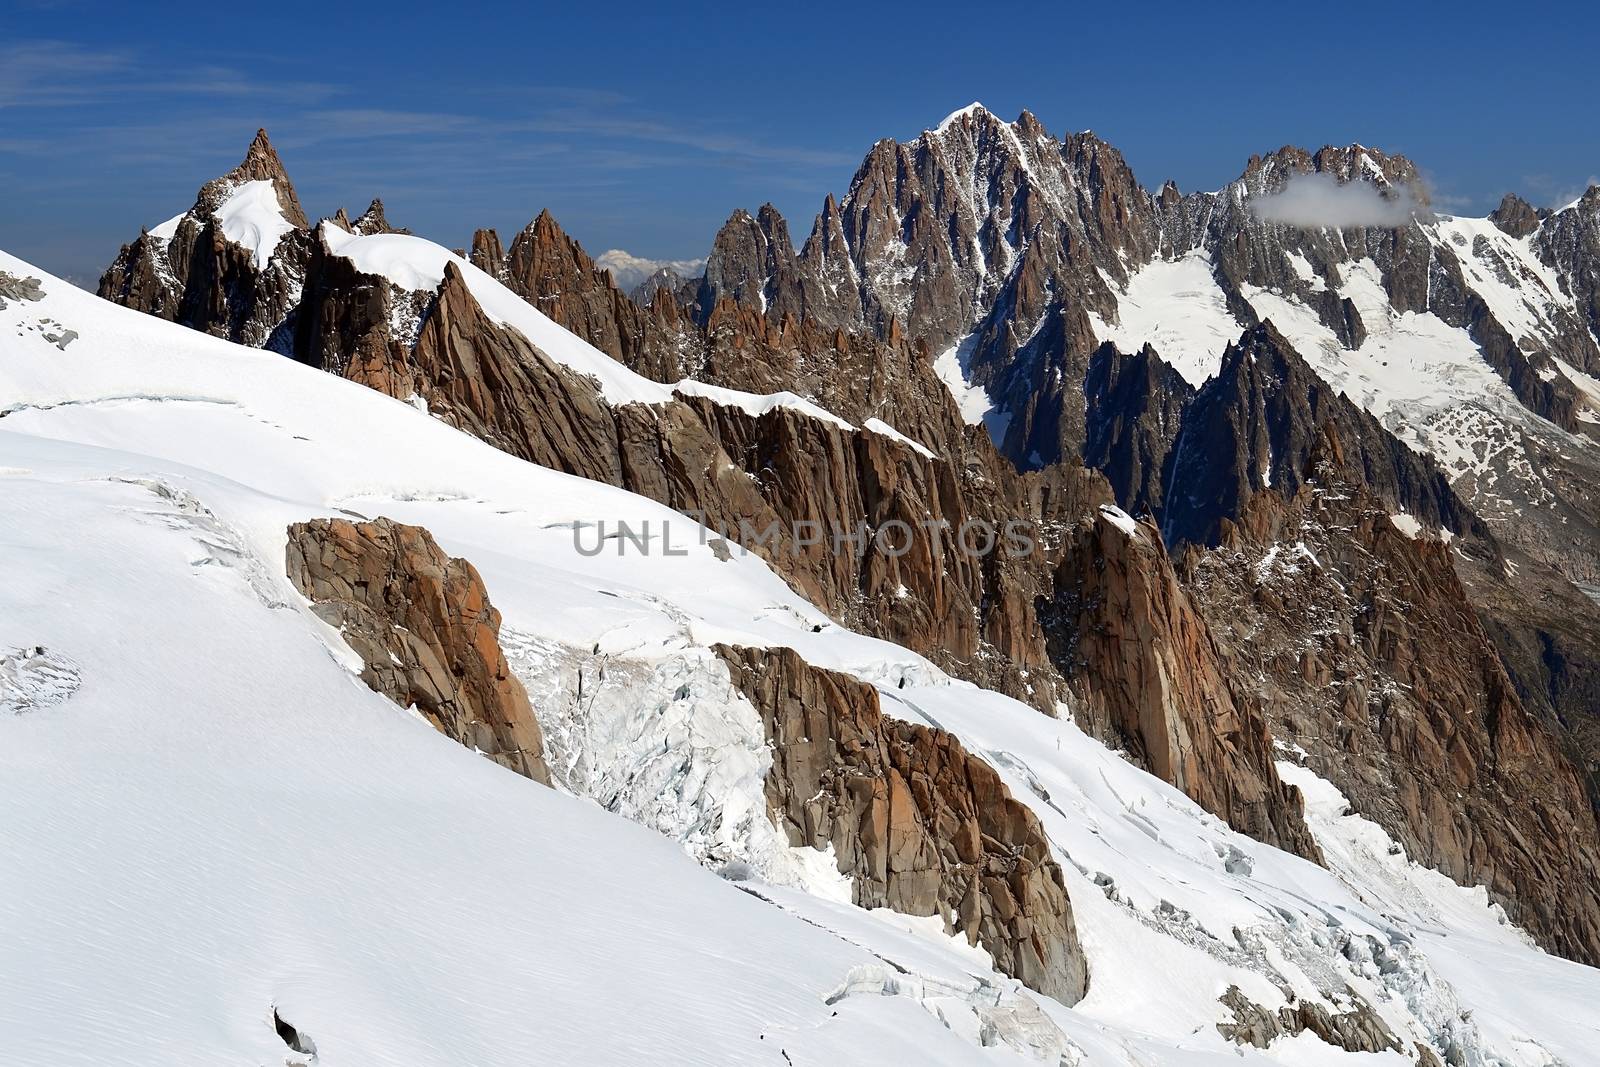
643,126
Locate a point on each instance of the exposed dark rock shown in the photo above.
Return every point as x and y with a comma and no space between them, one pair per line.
198,278
1569,242
1515,216
1255,425
1135,407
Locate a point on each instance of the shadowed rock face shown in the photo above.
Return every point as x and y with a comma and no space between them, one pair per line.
746,473
1134,410
976,616
1151,681
423,625
997,233
1018,244
984,228
918,823
1254,427
1374,663
1515,216
1569,242
553,273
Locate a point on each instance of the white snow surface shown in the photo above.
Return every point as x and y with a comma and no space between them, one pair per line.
1425,380
252,219
878,426
169,229
213,818
972,400
1120,519
1176,305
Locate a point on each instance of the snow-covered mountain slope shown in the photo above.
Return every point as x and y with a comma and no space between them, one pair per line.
1427,381
212,819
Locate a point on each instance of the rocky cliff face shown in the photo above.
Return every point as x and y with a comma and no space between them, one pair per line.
1374,665
232,265
919,824
980,228
1254,427
553,273
1569,242
864,524
373,220
1134,407
1029,252
423,625
1151,681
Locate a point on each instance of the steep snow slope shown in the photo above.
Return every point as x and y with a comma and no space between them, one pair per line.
222,822
217,818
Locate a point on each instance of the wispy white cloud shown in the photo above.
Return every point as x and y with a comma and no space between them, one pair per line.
1317,200
1572,193
59,74
629,270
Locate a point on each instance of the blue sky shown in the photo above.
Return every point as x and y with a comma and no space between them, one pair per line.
643,126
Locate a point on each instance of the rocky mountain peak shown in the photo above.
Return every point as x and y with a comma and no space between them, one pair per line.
973,113
542,247
1346,163
545,228
488,255
753,262
260,163
1515,216
373,220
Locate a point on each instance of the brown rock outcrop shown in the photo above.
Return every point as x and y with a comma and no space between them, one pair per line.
552,272
1359,1030
423,625
918,823
1373,661
1152,681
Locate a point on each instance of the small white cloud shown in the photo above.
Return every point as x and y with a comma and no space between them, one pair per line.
629,270
1570,197
1317,201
